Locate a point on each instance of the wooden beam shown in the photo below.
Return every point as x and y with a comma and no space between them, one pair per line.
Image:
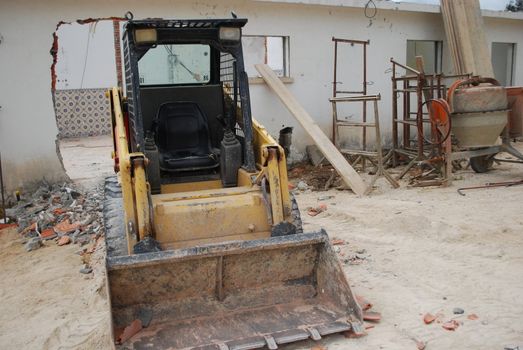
465,33
333,155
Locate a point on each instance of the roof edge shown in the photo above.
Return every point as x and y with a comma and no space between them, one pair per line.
394,6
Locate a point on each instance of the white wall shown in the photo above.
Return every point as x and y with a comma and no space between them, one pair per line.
27,123
85,56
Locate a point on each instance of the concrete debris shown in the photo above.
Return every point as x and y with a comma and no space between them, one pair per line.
145,316
458,311
86,270
33,244
302,186
60,212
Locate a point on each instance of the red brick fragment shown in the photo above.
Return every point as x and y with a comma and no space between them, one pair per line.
472,317
130,331
66,227
48,233
429,318
450,325
337,241
58,211
3,226
64,240
372,316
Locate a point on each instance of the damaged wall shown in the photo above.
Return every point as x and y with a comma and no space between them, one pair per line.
28,127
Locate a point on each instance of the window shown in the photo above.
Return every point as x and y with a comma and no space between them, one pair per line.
175,64
271,50
503,62
430,50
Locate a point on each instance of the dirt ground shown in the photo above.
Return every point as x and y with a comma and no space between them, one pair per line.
409,251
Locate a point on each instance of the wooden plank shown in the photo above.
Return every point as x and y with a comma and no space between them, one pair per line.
465,33
347,173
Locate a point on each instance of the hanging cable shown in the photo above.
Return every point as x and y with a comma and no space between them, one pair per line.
370,13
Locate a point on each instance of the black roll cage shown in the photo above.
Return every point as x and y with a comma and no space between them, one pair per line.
199,31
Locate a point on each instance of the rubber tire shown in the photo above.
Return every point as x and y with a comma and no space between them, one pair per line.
296,216
113,218
481,164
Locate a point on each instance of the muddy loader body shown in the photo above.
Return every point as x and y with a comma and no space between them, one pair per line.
204,240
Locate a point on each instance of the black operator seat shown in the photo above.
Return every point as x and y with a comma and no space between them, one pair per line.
182,137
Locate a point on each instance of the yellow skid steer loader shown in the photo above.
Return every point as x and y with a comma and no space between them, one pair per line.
203,236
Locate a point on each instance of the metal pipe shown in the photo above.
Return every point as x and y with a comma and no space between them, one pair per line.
490,185
405,67
364,102
394,117
351,41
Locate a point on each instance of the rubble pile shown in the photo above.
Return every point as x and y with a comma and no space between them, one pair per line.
60,213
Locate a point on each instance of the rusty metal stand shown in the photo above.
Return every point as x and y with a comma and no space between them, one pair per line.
408,92
362,92
374,157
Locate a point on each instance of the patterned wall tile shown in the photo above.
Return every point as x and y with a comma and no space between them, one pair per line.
82,112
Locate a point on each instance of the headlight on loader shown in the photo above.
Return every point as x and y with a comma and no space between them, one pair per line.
230,34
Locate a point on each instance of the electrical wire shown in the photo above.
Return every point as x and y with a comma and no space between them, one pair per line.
367,9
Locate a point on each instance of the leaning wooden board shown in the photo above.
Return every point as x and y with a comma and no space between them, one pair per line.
464,28
347,173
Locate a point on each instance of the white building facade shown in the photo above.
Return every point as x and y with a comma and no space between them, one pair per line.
301,33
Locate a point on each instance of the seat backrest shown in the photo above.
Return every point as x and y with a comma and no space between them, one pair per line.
182,130
208,97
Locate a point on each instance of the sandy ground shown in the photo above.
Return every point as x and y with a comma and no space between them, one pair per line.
422,250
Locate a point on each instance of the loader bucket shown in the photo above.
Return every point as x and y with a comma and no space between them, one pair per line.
235,295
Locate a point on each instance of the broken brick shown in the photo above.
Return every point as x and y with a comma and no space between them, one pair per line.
48,234
65,227
472,317
64,240
319,347
129,331
429,318
372,316
450,325
3,226
29,228
58,211
369,326
336,241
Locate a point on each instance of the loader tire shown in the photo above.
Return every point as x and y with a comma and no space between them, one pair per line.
481,164
296,216
113,218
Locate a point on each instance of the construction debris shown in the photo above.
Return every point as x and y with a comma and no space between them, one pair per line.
458,311
130,331
429,318
62,213
451,325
